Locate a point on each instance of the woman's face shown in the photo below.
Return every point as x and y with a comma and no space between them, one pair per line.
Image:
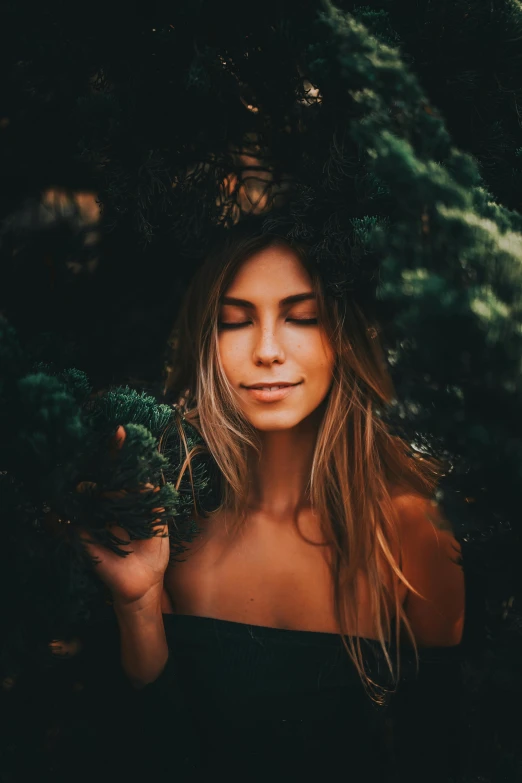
269,335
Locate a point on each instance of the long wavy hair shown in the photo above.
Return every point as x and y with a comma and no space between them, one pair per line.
358,465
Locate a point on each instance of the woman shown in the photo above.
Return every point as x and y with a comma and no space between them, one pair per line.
325,527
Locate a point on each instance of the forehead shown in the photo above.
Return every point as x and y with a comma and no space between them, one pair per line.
276,268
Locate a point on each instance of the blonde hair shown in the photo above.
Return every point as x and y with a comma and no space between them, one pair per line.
357,464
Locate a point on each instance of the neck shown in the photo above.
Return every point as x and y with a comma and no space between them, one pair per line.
280,476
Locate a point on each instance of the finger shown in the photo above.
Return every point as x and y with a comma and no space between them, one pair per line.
117,440
119,532
161,530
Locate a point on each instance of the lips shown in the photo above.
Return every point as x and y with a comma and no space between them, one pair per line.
270,386
272,393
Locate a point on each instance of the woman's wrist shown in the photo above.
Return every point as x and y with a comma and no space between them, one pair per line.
150,603
144,648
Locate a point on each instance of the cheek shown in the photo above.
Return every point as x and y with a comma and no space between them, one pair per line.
232,354
316,356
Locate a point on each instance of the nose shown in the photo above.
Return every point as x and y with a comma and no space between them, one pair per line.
268,348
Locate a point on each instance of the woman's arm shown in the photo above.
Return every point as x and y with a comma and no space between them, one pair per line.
165,738
144,649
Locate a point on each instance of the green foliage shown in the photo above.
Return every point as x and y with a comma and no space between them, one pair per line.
449,267
60,474
129,405
49,421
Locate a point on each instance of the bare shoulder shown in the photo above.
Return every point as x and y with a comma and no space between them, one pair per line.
419,510
432,564
423,527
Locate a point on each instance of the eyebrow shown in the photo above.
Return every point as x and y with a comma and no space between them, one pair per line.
231,300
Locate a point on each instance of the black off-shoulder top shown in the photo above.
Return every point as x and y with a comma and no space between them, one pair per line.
251,703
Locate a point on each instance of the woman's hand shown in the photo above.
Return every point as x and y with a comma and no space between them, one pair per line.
139,575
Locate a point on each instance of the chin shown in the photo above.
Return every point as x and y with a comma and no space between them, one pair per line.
273,422
278,427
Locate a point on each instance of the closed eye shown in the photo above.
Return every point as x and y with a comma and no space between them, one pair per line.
303,321
222,325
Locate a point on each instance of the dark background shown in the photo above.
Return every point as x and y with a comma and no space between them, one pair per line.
119,145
